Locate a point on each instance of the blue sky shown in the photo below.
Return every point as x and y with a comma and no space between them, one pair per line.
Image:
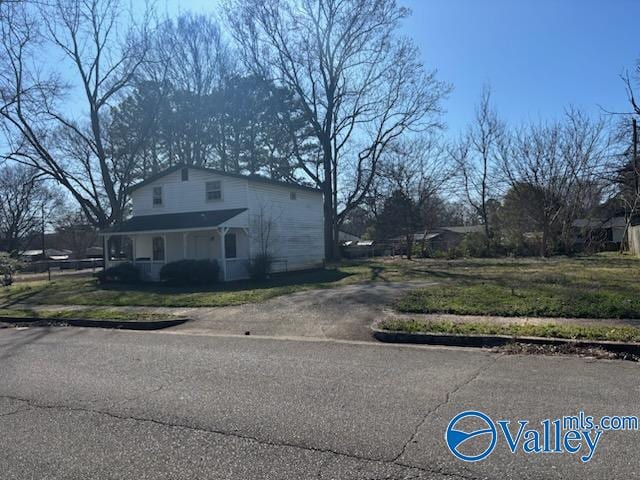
538,55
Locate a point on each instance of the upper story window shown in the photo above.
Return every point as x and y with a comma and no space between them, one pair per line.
184,174
157,196
214,191
293,196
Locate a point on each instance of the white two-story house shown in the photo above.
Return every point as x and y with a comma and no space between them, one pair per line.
189,212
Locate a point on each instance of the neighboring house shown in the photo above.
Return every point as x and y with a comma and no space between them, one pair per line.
364,248
600,231
344,236
189,212
441,238
451,237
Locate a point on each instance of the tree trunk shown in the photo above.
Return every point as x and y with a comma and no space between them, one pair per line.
423,243
328,221
543,241
487,231
329,216
409,246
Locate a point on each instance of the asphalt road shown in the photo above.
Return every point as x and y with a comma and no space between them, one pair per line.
81,403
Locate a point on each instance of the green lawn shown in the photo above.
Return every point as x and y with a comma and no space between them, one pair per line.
87,291
86,314
549,330
602,286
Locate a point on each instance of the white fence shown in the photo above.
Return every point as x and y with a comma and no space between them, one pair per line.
39,266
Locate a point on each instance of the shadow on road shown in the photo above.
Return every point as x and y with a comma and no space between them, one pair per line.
13,343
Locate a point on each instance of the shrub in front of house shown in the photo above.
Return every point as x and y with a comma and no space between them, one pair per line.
121,273
190,272
260,266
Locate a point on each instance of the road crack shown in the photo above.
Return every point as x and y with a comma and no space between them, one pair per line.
20,410
446,400
38,406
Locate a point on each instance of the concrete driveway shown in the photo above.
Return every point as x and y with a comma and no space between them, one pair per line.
344,313
341,313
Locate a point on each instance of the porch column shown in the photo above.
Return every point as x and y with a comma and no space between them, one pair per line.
184,245
223,231
248,240
134,254
164,245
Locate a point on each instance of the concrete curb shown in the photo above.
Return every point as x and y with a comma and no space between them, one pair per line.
490,341
79,322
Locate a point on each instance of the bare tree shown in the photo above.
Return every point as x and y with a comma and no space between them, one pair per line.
550,167
190,62
74,232
360,85
587,147
264,226
102,49
26,200
419,169
475,156
191,53
627,175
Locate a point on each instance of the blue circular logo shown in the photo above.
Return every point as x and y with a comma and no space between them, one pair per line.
456,437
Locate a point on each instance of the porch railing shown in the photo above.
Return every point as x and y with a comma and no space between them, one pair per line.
237,268
149,270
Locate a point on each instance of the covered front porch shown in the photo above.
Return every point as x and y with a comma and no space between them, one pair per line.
144,243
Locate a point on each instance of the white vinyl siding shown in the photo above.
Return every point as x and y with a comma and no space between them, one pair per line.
296,216
190,196
296,233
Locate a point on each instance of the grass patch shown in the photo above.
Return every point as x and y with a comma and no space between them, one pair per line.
601,286
86,314
549,330
21,292
87,291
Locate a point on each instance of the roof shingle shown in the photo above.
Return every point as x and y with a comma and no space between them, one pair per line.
174,221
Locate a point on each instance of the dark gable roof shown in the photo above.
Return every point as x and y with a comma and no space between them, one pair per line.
463,229
604,223
174,221
254,178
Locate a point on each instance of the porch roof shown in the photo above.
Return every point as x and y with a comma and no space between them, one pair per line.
174,221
